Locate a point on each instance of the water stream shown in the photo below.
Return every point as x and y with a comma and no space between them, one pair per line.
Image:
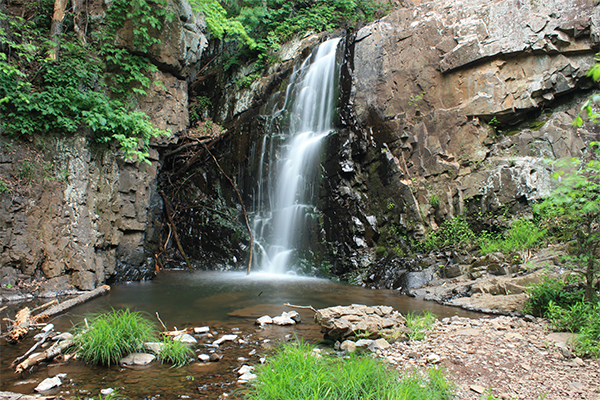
309,104
228,302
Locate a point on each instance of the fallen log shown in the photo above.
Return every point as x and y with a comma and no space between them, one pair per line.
63,307
33,348
49,354
20,327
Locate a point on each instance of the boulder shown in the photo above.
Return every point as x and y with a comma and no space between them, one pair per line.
341,322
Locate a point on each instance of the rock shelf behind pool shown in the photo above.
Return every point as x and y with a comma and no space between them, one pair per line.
345,321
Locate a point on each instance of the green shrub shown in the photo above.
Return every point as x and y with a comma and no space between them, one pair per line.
522,235
296,372
454,232
419,323
108,337
550,291
582,318
175,352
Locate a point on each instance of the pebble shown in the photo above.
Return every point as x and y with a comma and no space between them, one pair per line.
48,384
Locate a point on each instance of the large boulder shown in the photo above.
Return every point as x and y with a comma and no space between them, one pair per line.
341,322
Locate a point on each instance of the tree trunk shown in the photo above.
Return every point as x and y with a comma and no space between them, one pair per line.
79,19
57,26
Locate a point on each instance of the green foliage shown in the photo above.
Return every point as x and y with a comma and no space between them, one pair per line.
175,352
434,201
582,318
574,209
202,103
41,96
4,189
453,232
587,108
550,291
419,324
218,22
109,337
296,372
523,234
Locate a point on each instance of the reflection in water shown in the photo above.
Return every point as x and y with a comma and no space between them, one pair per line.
223,300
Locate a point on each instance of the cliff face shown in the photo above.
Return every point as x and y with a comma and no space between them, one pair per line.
77,215
445,108
458,104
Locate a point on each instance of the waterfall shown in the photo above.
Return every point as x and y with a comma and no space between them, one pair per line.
290,159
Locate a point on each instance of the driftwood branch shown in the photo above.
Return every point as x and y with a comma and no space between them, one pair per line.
172,224
301,307
49,354
61,308
241,203
33,348
20,326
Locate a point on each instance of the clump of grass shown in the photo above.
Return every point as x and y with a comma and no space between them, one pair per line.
522,235
550,291
175,352
419,324
295,372
108,337
582,318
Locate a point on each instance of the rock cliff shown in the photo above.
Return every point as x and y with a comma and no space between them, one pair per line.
75,215
457,106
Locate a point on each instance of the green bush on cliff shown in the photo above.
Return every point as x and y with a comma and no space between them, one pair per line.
39,95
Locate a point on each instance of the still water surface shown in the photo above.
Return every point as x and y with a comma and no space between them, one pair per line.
228,302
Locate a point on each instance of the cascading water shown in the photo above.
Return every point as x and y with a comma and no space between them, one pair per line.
291,171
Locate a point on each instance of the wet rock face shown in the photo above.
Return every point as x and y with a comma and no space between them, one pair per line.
427,77
451,109
73,214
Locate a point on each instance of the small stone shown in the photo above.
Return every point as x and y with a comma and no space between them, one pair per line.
265,319
204,357
252,352
348,346
281,320
107,391
262,360
242,359
579,361
379,344
364,342
185,338
201,329
246,377
225,338
412,354
433,358
245,369
48,384
292,315
529,318
477,389
137,359
154,347
214,357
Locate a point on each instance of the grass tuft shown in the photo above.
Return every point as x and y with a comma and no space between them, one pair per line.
175,352
295,372
111,336
419,324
